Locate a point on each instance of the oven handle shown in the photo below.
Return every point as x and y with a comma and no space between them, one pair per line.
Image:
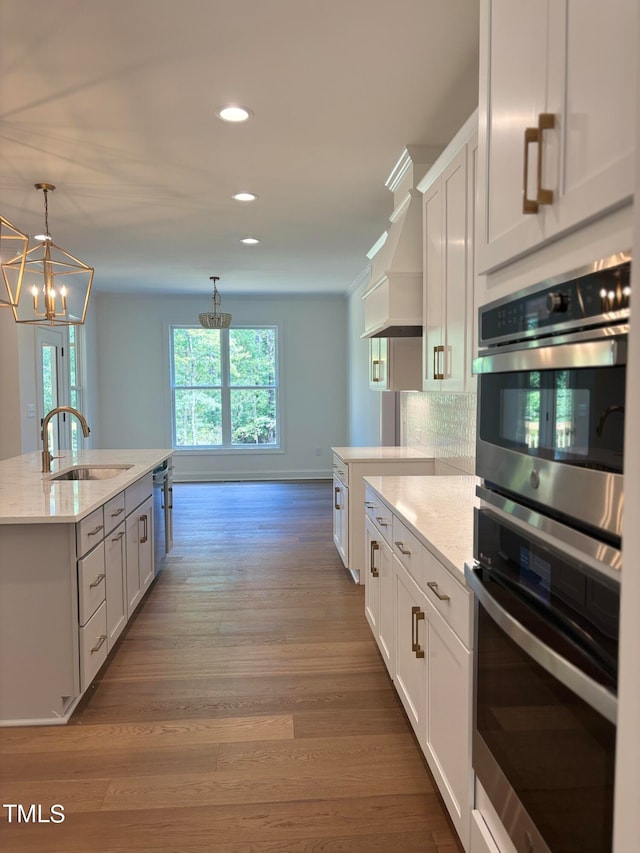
605,352
597,696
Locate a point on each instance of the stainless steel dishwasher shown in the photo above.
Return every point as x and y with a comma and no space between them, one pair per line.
162,512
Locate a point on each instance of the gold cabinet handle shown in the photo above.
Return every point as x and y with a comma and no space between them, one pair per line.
336,491
417,615
375,370
372,564
95,530
381,521
118,537
546,121
433,586
437,374
97,581
369,505
102,639
533,135
117,512
402,549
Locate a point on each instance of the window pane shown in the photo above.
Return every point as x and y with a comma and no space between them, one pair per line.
198,418
253,416
252,357
196,357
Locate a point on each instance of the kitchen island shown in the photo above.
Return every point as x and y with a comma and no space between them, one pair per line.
76,558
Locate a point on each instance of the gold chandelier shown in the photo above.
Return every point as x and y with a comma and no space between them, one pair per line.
13,253
58,284
215,319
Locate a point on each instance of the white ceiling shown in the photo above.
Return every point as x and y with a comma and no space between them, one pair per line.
114,101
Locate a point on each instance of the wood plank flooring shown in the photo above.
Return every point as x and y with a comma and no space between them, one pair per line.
245,710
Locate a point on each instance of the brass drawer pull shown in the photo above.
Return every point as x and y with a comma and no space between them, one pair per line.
375,370
118,537
417,615
437,374
402,549
96,530
433,586
117,512
369,505
336,490
381,521
372,566
97,581
102,639
533,135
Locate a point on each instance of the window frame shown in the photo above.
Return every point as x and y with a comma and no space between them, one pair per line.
225,388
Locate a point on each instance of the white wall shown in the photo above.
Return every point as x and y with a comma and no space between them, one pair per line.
18,433
131,351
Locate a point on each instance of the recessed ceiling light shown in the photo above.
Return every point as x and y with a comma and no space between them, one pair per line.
250,240
235,113
244,196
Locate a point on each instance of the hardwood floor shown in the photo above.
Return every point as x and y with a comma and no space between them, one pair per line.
245,710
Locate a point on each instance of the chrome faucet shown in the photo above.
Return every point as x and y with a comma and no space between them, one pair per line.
46,455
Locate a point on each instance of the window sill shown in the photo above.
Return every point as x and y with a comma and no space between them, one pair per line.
226,451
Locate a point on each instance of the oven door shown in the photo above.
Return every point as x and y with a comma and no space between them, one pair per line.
551,425
545,677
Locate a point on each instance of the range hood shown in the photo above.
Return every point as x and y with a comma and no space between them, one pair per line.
393,298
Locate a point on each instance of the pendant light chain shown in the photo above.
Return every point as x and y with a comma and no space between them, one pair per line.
46,211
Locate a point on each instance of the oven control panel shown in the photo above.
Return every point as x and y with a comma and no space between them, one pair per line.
593,298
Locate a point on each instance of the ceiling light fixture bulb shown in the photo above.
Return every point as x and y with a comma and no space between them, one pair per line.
244,197
234,113
250,241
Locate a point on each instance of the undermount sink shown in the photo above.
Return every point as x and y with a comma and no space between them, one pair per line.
92,472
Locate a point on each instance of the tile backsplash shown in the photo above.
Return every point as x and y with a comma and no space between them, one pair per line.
443,421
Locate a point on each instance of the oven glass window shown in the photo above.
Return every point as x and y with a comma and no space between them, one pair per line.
556,752
571,416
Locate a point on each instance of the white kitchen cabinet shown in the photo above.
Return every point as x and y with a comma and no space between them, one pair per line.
410,675
116,583
139,548
447,722
431,660
556,120
350,466
379,608
448,265
341,512
395,364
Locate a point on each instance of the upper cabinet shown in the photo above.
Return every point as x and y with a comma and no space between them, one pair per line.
449,268
556,120
394,364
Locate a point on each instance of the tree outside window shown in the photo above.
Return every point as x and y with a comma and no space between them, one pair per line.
225,387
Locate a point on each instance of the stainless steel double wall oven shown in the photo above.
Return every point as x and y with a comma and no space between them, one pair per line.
551,402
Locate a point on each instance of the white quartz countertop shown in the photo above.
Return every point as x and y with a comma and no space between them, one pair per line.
438,510
380,454
27,496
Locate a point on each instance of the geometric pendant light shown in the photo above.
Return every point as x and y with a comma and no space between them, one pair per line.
56,285
13,250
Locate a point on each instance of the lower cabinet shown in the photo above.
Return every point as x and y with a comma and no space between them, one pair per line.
420,616
139,539
341,517
93,646
115,569
411,660
379,592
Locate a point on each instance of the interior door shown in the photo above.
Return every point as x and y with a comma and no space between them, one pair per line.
52,381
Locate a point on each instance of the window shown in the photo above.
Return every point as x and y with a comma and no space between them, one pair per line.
225,387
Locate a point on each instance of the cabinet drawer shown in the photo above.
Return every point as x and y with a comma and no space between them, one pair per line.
89,532
113,512
408,549
91,583
449,598
138,492
93,646
341,469
379,514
